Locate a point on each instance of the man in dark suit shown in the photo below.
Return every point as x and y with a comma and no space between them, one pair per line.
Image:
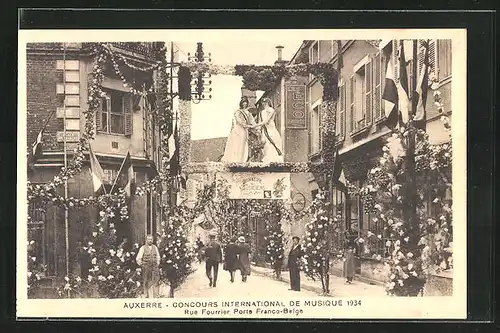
213,255
293,264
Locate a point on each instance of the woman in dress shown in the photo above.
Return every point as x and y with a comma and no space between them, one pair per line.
236,150
273,149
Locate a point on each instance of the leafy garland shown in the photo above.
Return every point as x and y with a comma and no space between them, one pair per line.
265,77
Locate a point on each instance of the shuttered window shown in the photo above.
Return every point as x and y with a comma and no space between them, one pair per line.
352,109
115,114
377,87
433,58
444,58
367,105
342,106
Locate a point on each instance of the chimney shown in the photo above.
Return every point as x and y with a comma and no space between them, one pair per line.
280,52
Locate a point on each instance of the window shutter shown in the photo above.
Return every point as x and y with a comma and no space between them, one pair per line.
368,93
377,86
433,63
320,121
98,121
352,114
395,59
127,105
342,105
421,55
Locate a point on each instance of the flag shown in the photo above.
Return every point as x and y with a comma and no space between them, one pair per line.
96,172
127,169
404,105
390,98
422,89
37,145
173,150
339,179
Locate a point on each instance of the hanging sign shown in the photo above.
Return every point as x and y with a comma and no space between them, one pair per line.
251,185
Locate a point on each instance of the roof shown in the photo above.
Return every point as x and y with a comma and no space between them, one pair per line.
207,149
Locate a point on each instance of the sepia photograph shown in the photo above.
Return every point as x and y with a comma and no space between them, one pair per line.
242,174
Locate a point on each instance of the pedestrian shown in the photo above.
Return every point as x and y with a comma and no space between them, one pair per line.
244,258
148,259
213,257
293,264
349,268
231,258
199,249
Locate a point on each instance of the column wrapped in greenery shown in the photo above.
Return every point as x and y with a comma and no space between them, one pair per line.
275,247
176,254
317,247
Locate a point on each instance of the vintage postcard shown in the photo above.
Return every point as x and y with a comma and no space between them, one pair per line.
232,174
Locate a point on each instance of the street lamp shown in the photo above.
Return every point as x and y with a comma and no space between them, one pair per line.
200,86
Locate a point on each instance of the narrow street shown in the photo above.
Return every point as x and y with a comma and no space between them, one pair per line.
257,286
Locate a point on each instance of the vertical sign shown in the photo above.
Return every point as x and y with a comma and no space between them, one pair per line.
295,106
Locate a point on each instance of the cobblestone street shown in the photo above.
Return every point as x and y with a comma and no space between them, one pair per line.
260,284
257,286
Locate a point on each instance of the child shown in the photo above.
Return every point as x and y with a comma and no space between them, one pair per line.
349,265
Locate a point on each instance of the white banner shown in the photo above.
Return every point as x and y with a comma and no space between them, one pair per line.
251,185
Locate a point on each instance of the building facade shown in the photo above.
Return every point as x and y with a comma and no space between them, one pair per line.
58,79
360,119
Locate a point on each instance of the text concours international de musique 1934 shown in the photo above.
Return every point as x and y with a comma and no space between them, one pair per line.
252,307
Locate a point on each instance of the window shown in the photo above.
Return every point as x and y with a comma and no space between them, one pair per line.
444,58
361,97
115,116
315,130
314,53
326,50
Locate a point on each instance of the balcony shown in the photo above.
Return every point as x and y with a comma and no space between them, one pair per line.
145,49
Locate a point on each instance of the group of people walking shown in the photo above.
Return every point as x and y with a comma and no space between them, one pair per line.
236,257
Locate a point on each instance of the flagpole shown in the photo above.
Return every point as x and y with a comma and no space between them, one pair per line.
66,212
411,144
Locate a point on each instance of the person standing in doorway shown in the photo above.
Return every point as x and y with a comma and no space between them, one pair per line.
244,258
213,257
231,258
293,264
148,259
